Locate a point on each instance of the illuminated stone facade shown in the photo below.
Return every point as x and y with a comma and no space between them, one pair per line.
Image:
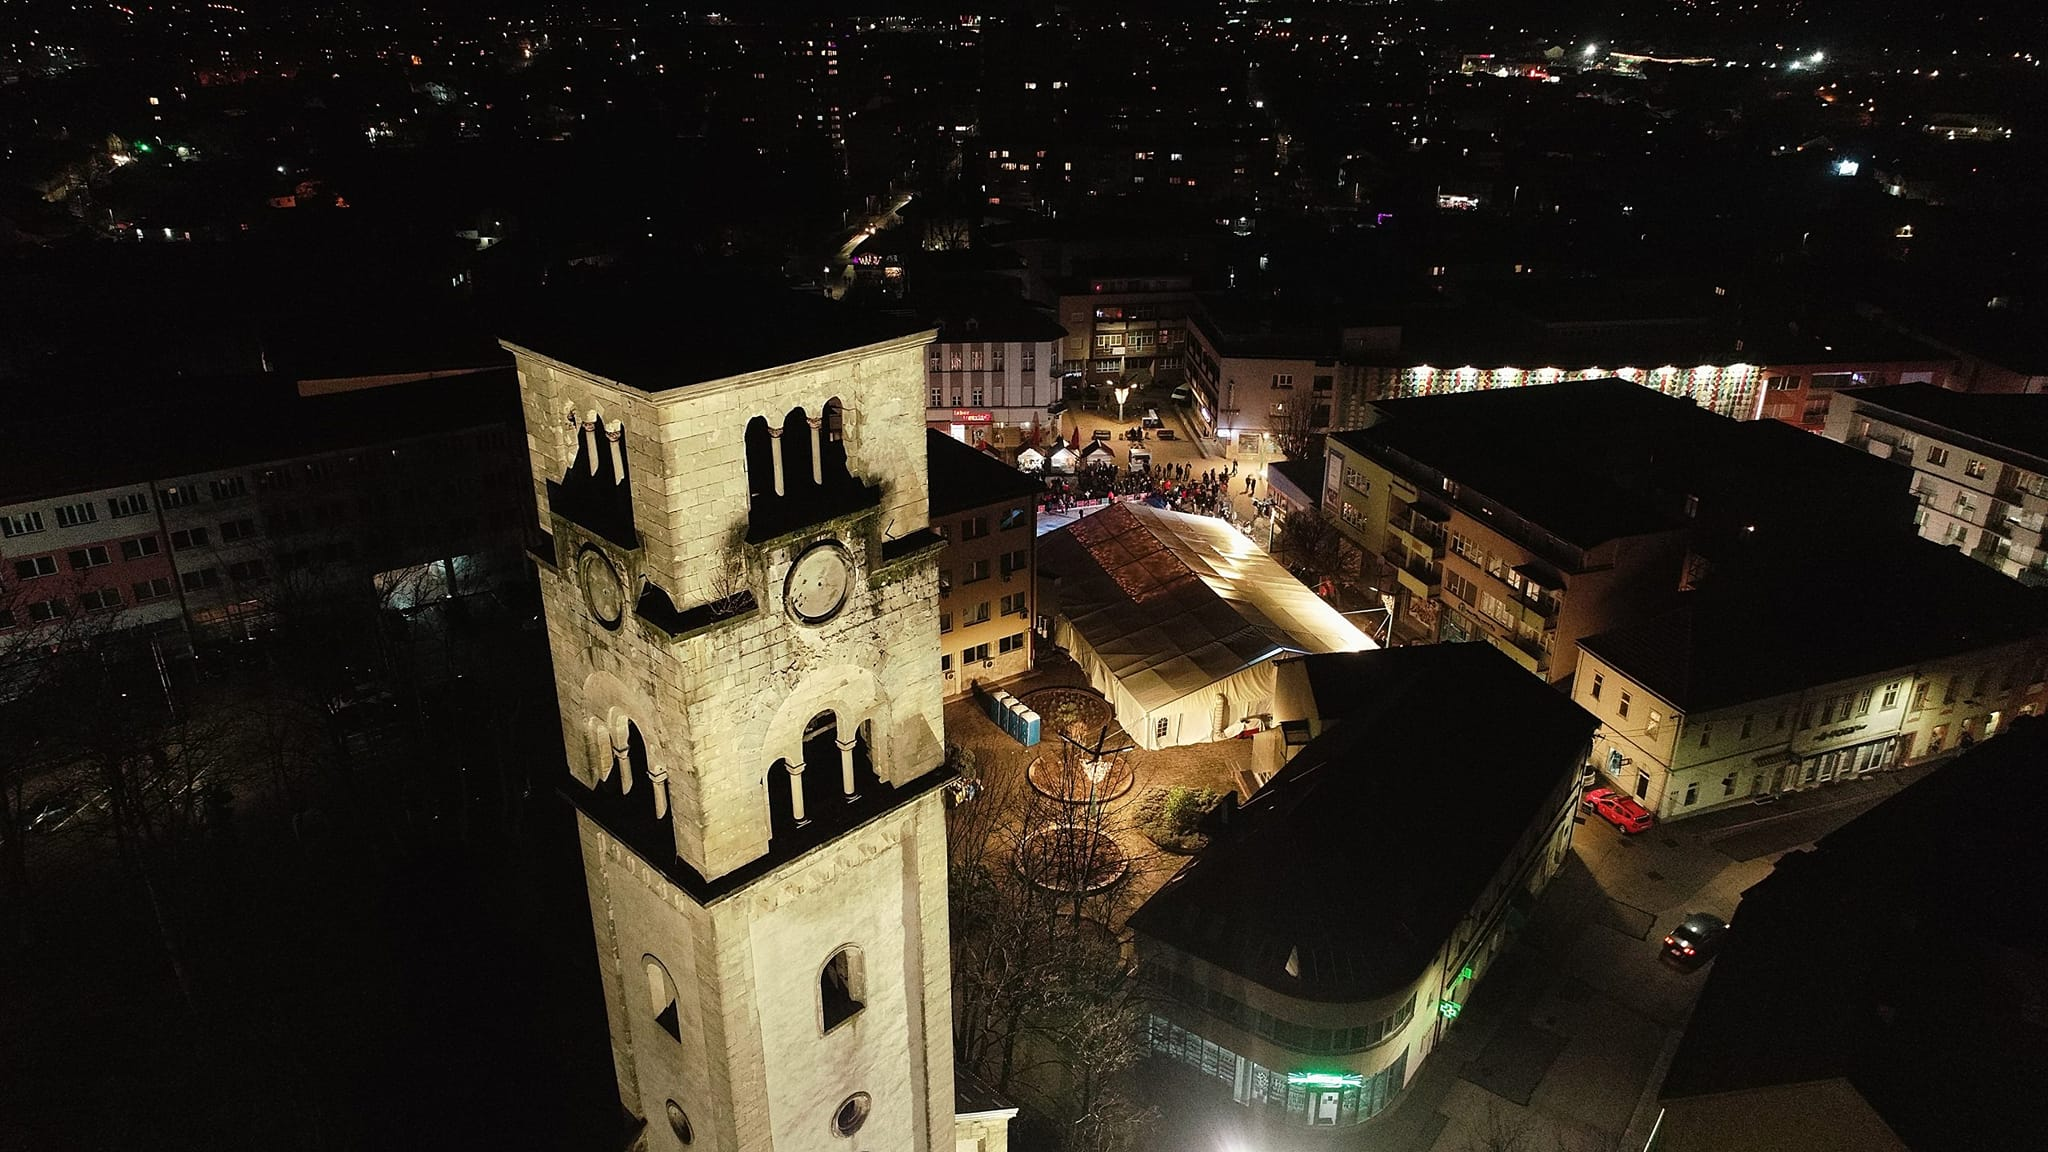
741,598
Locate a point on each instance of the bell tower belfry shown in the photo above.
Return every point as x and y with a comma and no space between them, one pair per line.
741,600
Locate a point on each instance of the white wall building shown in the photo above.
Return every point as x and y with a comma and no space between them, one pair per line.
1979,463
1743,692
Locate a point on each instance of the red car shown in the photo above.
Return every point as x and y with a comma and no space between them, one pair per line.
1618,810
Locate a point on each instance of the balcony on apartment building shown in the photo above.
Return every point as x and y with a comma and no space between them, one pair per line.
1883,445
1419,574
1421,524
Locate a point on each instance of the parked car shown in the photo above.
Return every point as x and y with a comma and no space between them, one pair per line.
1152,419
1167,434
1099,434
1696,939
1619,810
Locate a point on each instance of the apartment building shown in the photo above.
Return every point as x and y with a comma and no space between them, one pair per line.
80,560
1978,466
1532,517
1126,326
187,525
988,513
1305,971
1742,691
1804,365
991,373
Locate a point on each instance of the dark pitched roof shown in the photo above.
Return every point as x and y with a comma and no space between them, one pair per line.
2005,420
661,335
1326,863
1744,635
1897,954
962,477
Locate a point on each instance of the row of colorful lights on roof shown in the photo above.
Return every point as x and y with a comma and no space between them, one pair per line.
1728,389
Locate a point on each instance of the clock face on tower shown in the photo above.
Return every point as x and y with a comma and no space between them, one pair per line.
602,593
819,582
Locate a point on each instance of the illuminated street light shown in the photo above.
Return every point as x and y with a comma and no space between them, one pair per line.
1123,393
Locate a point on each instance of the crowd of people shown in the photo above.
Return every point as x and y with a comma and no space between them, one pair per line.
1173,486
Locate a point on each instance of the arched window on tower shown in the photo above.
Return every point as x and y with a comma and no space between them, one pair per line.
833,446
842,987
661,996
760,460
798,476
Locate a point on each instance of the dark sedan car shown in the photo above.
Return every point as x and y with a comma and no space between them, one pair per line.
1696,939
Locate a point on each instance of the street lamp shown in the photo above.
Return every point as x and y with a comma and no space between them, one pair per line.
1123,393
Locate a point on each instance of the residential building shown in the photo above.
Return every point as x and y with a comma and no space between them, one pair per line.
1532,517
1280,375
1308,969
1480,541
1177,619
988,513
1742,690
992,372
1802,375
186,526
81,561
1978,462
1879,993
1126,326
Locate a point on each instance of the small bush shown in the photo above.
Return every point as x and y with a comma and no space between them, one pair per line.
1171,817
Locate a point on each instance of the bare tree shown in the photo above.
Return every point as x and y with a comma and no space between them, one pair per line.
1049,1003
1311,547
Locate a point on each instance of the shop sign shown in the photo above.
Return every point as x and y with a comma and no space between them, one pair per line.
973,416
1326,1079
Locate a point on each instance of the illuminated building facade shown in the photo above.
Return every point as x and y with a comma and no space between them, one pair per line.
1729,389
1308,971
1741,691
991,374
988,513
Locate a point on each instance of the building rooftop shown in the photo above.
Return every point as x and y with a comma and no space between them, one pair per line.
182,427
1329,864
985,318
1892,955
1741,637
661,334
1540,451
1174,602
2006,420
964,477
1590,461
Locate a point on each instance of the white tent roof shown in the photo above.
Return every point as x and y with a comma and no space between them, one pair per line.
1173,603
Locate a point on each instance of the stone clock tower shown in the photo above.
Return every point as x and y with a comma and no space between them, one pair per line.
742,604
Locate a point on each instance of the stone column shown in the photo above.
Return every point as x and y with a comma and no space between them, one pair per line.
775,447
846,769
615,432
817,457
796,792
